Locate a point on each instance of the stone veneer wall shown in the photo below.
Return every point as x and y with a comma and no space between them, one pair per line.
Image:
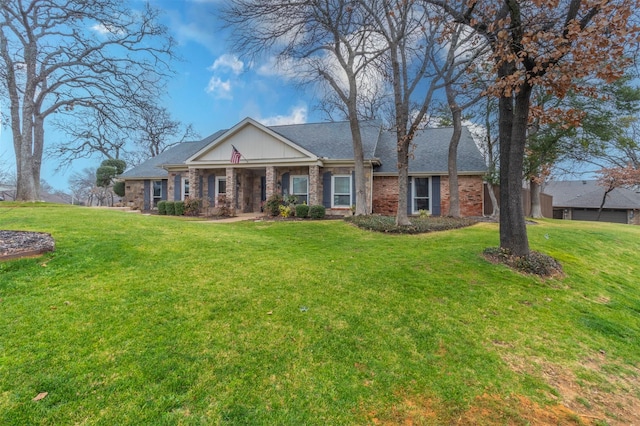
471,192
134,194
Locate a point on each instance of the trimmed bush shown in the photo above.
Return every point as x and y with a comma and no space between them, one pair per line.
179,208
170,207
118,188
418,225
162,207
317,212
302,210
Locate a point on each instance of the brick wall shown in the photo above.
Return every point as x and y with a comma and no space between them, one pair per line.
385,195
470,193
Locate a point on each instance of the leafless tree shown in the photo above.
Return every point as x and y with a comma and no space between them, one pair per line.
82,186
157,130
63,56
320,42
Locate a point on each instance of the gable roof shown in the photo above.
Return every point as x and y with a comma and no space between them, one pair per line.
328,141
257,141
588,194
431,152
153,167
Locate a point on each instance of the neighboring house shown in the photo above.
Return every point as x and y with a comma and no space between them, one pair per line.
313,162
581,200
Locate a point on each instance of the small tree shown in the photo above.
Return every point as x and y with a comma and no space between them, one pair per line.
616,177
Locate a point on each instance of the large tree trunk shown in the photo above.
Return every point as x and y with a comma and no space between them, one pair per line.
402,217
452,163
536,204
513,131
358,155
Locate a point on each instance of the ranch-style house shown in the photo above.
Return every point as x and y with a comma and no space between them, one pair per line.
314,162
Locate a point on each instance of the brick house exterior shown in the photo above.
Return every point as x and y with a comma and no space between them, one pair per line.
313,162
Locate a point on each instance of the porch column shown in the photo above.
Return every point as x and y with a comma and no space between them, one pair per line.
314,181
194,182
231,190
270,177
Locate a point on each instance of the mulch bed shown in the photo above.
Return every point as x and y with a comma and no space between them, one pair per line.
17,244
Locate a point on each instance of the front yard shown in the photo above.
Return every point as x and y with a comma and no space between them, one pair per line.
158,320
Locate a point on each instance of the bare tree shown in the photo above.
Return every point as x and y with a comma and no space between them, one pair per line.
156,130
411,41
61,56
461,75
92,132
83,186
321,42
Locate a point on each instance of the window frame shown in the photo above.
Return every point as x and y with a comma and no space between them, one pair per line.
414,197
333,192
156,199
185,188
292,187
217,190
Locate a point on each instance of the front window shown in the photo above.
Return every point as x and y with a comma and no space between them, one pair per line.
420,194
185,188
156,192
221,188
300,188
341,189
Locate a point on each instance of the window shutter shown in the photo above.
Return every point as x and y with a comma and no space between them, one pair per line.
177,187
200,188
147,195
326,190
409,198
164,189
435,199
285,184
211,191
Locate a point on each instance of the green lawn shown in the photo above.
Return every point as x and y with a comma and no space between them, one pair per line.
160,320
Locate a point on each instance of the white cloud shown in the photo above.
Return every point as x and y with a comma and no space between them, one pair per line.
287,70
298,115
219,89
228,61
103,29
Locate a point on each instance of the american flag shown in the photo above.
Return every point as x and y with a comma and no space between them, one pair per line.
235,155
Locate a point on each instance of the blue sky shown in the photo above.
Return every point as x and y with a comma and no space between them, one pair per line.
212,89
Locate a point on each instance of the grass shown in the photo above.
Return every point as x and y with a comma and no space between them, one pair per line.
159,320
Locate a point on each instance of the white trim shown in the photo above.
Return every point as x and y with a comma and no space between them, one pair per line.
154,204
238,127
183,183
414,210
333,191
291,185
217,193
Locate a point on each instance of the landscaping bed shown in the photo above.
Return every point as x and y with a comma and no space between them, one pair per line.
16,244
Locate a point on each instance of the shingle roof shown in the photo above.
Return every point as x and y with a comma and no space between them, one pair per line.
588,194
332,140
431,152
152,168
